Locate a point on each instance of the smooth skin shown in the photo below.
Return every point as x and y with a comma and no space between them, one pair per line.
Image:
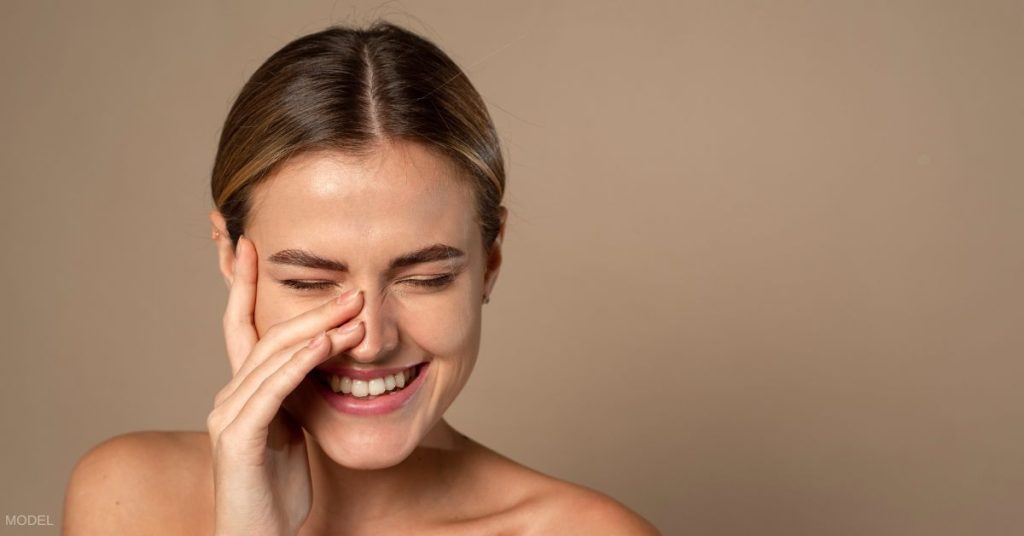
275,458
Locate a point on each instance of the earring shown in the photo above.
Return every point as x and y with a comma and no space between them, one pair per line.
216,234
487,299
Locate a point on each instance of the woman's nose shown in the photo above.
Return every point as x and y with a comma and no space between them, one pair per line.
380,336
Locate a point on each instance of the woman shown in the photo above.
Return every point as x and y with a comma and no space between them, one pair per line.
358,225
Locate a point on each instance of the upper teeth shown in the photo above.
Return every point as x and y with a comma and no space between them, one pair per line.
375,386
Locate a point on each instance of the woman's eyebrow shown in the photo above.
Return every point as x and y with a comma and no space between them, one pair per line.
301,257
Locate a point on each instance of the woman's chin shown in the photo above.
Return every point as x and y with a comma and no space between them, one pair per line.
366,450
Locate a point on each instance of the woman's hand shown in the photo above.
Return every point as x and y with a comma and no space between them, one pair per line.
261,470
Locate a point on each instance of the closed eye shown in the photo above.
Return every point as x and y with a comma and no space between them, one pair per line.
307,285
434,282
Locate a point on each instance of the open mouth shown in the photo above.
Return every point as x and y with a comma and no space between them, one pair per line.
371,388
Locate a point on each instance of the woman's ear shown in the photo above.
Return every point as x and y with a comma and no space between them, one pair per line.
494,256
225,249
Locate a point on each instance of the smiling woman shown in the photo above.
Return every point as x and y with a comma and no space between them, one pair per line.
358,224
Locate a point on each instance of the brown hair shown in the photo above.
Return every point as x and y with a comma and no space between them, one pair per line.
351,89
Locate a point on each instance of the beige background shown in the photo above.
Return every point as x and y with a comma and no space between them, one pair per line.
762,276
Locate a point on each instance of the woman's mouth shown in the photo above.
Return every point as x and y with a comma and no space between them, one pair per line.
369,392
369,388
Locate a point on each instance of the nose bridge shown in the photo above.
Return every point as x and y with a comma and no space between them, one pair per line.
380,332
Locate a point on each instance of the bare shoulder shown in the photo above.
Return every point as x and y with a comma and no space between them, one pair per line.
543,504
566,508
137,482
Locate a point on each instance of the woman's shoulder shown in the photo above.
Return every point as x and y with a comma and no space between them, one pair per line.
543,504
141,482
160,482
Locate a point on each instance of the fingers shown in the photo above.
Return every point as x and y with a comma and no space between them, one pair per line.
239,329
235,394
326,316
255,411
243,343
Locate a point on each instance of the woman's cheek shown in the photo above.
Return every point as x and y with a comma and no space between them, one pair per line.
442,327
272,308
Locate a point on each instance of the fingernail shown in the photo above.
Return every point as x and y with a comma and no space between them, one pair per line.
348,297
350,328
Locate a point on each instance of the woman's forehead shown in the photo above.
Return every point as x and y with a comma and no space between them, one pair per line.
400,193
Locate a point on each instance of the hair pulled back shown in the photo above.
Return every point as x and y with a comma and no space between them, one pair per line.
351,90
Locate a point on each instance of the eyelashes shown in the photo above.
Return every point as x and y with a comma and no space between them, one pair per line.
434,283
300,285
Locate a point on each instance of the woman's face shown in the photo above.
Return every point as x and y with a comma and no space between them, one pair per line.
364,214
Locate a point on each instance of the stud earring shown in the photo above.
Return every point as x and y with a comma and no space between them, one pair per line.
216,234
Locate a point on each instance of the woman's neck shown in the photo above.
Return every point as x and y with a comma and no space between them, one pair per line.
344,498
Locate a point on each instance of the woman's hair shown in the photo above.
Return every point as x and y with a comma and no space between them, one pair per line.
351,89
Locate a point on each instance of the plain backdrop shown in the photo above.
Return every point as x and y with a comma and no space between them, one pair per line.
762,270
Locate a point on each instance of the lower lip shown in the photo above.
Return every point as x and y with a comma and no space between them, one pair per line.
380,405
